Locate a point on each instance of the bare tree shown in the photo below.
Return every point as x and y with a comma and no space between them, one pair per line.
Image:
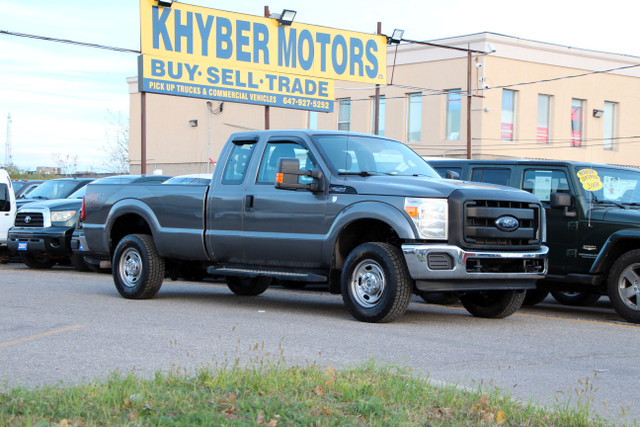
67,163
116,148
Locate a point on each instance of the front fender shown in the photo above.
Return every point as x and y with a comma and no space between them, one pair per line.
380,211
606,253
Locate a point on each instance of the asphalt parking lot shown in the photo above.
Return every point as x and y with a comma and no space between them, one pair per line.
63,325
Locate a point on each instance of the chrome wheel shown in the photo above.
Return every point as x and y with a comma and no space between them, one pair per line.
130,267
368,283
629,286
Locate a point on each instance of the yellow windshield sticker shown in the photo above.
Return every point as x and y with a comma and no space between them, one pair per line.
590,179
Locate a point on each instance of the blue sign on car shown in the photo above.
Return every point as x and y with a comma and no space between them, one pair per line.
22,246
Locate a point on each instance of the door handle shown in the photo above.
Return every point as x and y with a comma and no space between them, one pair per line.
248,203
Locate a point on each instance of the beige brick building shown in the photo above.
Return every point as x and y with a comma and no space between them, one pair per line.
528,99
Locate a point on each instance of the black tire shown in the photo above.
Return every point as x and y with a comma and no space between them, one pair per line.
623,286
138,270
79,262
493,304
248,286
375,283
37,262
440,298
535,296
576,299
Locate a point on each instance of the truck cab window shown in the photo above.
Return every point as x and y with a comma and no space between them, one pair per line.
283,150
5,201
499,176
236,167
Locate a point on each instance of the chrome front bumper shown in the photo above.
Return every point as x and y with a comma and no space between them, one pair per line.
450,268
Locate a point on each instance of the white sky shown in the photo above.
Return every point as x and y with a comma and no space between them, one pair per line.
61,97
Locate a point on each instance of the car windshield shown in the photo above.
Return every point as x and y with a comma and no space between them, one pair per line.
604,185
79,193
364,156
53,190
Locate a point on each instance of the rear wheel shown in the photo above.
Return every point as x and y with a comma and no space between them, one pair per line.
493,304
138,270
375,283
535,296
623,286
37,262
578,299
248,286
440,298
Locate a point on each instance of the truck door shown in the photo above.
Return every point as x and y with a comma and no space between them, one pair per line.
283,227
225,203
562,230
7,210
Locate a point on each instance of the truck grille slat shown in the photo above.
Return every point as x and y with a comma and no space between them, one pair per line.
29,219
481,229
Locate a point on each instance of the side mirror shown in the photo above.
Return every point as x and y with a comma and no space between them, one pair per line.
452,175
287,175
562,200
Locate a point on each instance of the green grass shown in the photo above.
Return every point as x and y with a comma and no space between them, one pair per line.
274,394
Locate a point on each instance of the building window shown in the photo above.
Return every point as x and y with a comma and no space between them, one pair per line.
381,114
508,124
312,120
452,120
544,118
414,116
609,124
344,114
577,122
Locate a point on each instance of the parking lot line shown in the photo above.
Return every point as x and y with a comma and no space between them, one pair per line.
42,335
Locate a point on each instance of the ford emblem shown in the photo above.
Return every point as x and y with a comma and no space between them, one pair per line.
507,223
27,219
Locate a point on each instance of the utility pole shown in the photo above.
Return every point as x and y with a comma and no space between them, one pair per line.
8,158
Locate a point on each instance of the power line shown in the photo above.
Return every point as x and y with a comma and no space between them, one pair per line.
71,42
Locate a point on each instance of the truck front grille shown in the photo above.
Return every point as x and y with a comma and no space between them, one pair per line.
29,219
485,222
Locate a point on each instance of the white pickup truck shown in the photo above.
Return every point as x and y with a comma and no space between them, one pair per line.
7,211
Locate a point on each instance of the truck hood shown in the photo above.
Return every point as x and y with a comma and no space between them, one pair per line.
410,186
54,205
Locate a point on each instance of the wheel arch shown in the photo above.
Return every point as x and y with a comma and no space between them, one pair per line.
129,217
362,223
618,243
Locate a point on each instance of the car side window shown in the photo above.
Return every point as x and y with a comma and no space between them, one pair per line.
238,162
542,182
5,201
499,176
279,150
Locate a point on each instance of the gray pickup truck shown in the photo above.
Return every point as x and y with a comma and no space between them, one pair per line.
363,214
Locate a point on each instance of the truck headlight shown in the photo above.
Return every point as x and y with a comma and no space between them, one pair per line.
62,216
431,217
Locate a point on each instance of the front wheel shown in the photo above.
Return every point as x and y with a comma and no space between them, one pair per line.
493,304
248,286
375,283
623,286
37,262
576,299
138,270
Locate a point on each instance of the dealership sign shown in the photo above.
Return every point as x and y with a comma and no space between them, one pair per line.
206,53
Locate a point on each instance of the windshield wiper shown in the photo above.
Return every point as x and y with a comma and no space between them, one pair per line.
361,173
594,200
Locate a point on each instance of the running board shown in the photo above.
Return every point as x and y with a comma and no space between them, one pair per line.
276,274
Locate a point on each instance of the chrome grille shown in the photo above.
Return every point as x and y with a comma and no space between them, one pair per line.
29,219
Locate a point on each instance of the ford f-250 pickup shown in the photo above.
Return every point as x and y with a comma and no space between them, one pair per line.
363,214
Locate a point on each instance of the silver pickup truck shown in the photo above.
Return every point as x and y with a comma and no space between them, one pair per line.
365,215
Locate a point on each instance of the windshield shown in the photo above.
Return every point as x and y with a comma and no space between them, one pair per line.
610,185
362,155
53,190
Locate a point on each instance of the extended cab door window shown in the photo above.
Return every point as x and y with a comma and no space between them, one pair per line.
5,200
238,162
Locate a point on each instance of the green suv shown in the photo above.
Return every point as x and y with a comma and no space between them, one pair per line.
593,225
